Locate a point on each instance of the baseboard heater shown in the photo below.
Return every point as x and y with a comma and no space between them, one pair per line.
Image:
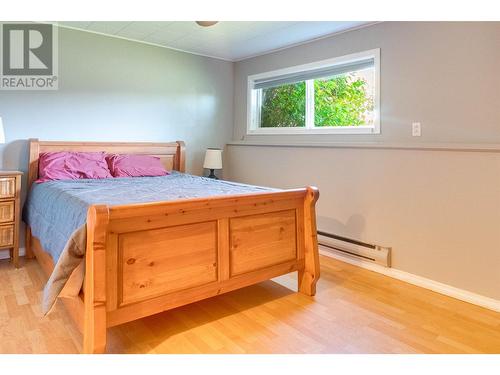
354,248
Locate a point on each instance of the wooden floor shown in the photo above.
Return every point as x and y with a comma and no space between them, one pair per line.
355,311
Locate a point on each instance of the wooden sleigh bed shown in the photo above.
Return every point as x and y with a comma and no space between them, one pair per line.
203,246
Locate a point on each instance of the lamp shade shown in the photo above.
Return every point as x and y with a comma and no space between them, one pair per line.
2,133
213,159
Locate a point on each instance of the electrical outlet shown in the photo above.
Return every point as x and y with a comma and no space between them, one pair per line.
416,129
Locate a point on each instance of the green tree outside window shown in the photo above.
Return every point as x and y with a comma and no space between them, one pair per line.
284,106
339,101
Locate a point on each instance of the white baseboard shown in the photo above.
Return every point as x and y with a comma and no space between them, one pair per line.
4,254
420,281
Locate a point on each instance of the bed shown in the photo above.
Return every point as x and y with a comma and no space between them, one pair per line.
145,257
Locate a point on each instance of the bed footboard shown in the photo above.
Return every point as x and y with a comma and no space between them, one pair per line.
148,258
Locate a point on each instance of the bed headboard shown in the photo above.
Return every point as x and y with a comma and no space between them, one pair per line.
171,154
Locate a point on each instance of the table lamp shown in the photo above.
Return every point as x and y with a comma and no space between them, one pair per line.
213,160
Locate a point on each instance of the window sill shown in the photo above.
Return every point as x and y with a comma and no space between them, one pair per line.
319,130
466,147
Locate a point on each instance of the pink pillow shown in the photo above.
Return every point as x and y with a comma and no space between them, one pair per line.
66,165
135,166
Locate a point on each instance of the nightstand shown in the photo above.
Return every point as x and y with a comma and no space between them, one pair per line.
10,212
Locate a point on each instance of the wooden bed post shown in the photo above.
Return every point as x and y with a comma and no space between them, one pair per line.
34,151
94,331
309,276
181,157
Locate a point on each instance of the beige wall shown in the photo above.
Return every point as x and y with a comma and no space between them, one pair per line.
439,210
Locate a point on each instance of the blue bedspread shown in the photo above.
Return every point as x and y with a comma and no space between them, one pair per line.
55,210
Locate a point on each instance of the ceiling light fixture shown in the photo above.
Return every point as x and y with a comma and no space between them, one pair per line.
206,23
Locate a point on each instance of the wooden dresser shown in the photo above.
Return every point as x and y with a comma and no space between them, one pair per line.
10,212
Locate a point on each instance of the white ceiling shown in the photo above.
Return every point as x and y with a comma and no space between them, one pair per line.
226,40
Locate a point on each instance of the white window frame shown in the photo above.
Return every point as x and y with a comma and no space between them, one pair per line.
254,99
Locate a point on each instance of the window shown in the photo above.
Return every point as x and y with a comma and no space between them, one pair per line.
339,95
